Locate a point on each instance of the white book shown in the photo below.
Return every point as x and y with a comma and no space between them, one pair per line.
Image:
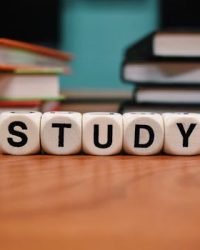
168,95
29,86
177,44
162,72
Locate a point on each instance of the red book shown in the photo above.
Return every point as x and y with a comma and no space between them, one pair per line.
32,103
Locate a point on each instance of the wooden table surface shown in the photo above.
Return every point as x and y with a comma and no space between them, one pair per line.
99,203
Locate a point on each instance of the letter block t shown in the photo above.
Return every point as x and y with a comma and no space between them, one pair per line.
182,133
61,133
20,133
143,133
102,133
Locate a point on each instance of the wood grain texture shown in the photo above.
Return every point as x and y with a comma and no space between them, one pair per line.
99,203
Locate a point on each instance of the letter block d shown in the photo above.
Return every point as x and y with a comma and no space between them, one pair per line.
182,133
20,133
143,133
102,133
61,133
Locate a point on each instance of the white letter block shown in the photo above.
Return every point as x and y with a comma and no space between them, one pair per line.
182,133
61,133
20,133
102,133
143,133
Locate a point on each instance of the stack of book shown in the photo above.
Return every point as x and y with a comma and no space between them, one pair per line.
165,70
29,76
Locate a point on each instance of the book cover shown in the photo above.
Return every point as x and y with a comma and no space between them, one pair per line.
33,48
23,55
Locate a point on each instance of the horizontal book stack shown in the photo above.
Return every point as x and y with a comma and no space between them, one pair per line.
29,76
165,69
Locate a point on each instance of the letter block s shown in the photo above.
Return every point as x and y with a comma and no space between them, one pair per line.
20,133
143,133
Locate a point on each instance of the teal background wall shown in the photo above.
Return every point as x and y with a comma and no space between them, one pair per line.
97,33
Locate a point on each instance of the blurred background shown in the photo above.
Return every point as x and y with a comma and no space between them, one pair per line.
96,31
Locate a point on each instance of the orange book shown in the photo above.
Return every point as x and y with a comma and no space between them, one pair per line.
35,49
16,55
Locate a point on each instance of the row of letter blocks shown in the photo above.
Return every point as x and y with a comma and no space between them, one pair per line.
67,133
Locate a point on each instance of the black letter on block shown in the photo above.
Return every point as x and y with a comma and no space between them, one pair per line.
61,127
187,134
137,136
96,137
12,131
